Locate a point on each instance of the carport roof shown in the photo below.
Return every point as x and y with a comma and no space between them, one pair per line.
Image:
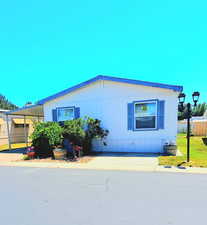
21,121
32,110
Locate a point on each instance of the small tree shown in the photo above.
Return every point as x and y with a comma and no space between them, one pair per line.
6,104
200,109
197,111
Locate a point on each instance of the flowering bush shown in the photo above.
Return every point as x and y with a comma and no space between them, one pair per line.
31,152
31,149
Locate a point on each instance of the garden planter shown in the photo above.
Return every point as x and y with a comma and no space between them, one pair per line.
78,150
204,141
59,153
170,149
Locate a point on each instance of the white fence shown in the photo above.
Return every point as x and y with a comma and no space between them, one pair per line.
198,127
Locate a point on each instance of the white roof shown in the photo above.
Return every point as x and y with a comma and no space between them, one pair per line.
4,110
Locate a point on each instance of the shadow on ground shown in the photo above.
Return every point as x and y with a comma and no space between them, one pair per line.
125,154
101,154
15,151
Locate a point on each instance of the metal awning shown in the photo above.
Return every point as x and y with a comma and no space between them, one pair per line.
21,121
33,110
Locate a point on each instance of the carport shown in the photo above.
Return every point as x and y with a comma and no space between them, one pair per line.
26,113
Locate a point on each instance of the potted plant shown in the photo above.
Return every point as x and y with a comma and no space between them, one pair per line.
170,148
59,152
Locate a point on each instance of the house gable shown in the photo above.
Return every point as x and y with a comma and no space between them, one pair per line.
113,79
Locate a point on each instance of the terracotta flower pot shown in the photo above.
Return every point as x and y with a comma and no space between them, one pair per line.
31,154
59,153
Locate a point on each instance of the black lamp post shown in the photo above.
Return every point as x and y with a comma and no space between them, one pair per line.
181,98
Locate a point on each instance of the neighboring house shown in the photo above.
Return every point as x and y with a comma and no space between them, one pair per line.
16,127
140,116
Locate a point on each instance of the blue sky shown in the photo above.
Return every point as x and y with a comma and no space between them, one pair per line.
47,46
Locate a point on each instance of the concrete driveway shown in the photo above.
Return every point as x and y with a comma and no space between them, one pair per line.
125,161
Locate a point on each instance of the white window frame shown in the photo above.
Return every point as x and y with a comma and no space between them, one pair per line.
156,115
62,108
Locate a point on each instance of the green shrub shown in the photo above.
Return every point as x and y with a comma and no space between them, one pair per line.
80,131
48,130
83,131
45,137
74,130
93,131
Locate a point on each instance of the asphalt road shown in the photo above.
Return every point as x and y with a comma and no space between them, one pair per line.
39,196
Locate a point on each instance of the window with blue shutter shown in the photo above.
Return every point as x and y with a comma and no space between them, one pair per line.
130,113
161,115
77,112
66,113
146,115
54,115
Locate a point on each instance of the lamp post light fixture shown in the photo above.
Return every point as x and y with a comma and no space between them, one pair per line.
195,96
181,98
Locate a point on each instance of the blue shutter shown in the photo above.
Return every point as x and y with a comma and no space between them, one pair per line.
161,115
54,115
77,112
130,113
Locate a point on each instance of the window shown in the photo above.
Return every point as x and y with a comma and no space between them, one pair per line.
145,115
64,114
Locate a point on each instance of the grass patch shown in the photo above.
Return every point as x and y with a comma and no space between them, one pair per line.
13,146
198,153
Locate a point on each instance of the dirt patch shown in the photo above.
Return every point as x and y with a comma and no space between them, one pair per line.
84,159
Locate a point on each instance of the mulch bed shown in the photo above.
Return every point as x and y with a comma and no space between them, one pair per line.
84,159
